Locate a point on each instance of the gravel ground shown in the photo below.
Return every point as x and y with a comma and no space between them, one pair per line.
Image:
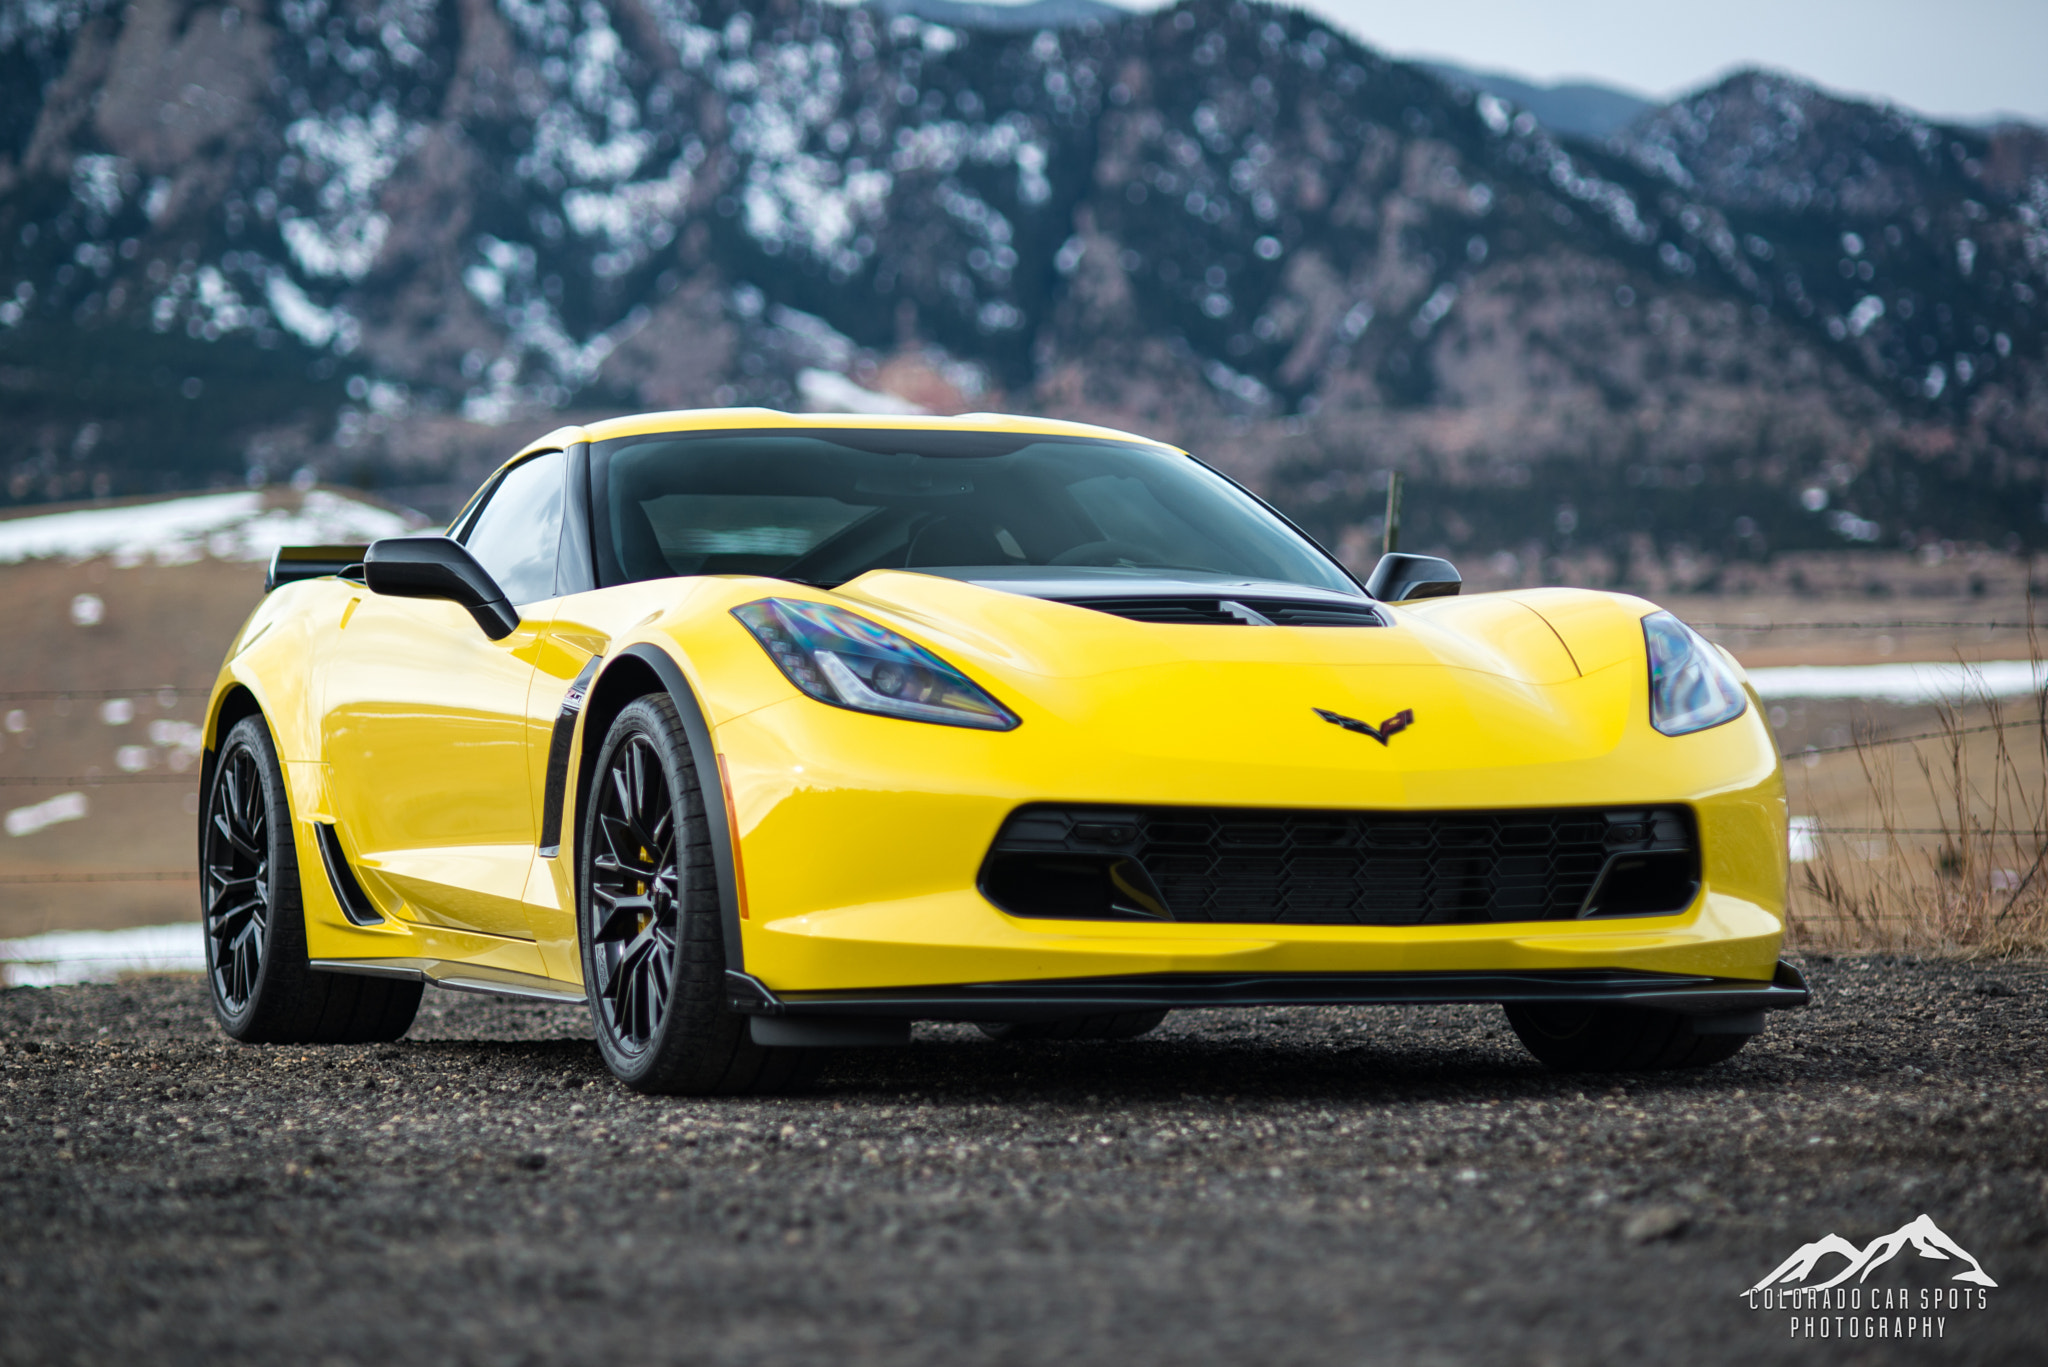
1284,1186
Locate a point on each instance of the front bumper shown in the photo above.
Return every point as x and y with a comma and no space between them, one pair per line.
864,841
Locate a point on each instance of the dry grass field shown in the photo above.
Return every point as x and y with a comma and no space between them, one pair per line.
108,711
1935,844
1924,826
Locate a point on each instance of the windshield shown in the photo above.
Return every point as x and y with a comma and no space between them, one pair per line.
823,507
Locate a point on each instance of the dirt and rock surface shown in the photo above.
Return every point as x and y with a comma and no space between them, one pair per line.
1280,1186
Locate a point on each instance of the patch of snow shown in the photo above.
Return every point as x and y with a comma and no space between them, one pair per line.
1237,385
507,283
234,526
49,812
823,391
1902,683
1434,309
635,218
216,303
352,155
96,183
306,320
812,338
322,518
85,956
1598,193
345,247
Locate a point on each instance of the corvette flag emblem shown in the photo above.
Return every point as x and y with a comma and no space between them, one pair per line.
1383,733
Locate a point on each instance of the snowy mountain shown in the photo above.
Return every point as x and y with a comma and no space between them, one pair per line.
387,240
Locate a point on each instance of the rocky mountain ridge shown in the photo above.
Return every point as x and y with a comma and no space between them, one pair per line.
387,240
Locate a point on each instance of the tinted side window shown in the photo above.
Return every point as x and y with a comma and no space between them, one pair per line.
518,534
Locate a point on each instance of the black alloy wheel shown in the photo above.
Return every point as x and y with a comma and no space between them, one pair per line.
235,878
635,880
254,920
651,923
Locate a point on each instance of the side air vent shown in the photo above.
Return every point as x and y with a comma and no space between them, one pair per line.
1235,612
355,902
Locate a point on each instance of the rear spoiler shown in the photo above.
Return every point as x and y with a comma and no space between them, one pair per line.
293,563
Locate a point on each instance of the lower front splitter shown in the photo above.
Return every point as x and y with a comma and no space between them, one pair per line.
1050,999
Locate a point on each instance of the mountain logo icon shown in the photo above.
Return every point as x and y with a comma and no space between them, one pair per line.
1922,1234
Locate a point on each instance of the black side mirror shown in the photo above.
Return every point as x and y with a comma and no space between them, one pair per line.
439,567
1402,578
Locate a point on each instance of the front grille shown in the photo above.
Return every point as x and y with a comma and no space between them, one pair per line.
1236,612
1262,866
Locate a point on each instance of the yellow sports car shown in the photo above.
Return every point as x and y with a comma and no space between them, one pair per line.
762,732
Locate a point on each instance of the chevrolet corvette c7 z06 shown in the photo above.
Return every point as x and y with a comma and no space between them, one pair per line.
761,732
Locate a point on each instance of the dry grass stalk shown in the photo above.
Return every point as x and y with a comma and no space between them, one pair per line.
1974,880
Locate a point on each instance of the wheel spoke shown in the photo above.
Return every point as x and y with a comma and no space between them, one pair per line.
226,924
622,922
235,835
623,852
636,1010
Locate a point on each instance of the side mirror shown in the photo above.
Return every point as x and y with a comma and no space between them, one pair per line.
1402,578
439,567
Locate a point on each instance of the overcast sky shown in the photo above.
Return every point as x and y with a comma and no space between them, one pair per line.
1955,58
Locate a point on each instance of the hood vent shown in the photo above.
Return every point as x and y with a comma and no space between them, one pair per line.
1235,612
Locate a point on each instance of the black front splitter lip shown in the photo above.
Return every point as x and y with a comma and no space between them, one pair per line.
1051,999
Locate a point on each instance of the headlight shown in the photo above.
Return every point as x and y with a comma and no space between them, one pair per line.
1691,686
844,659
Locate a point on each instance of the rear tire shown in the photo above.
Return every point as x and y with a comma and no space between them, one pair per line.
1114,1025
650,924
1617,1039
254,918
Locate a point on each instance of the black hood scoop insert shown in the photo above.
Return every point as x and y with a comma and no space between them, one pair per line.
1242,611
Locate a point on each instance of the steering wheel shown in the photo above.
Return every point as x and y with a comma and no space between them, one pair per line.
1103,553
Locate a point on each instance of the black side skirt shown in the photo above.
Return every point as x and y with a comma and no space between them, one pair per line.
1050,999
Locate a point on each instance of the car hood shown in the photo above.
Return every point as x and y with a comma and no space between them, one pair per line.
1081,625
1499,678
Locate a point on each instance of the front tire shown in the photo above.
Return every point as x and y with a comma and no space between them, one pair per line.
255,920
652,933
1617,1039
